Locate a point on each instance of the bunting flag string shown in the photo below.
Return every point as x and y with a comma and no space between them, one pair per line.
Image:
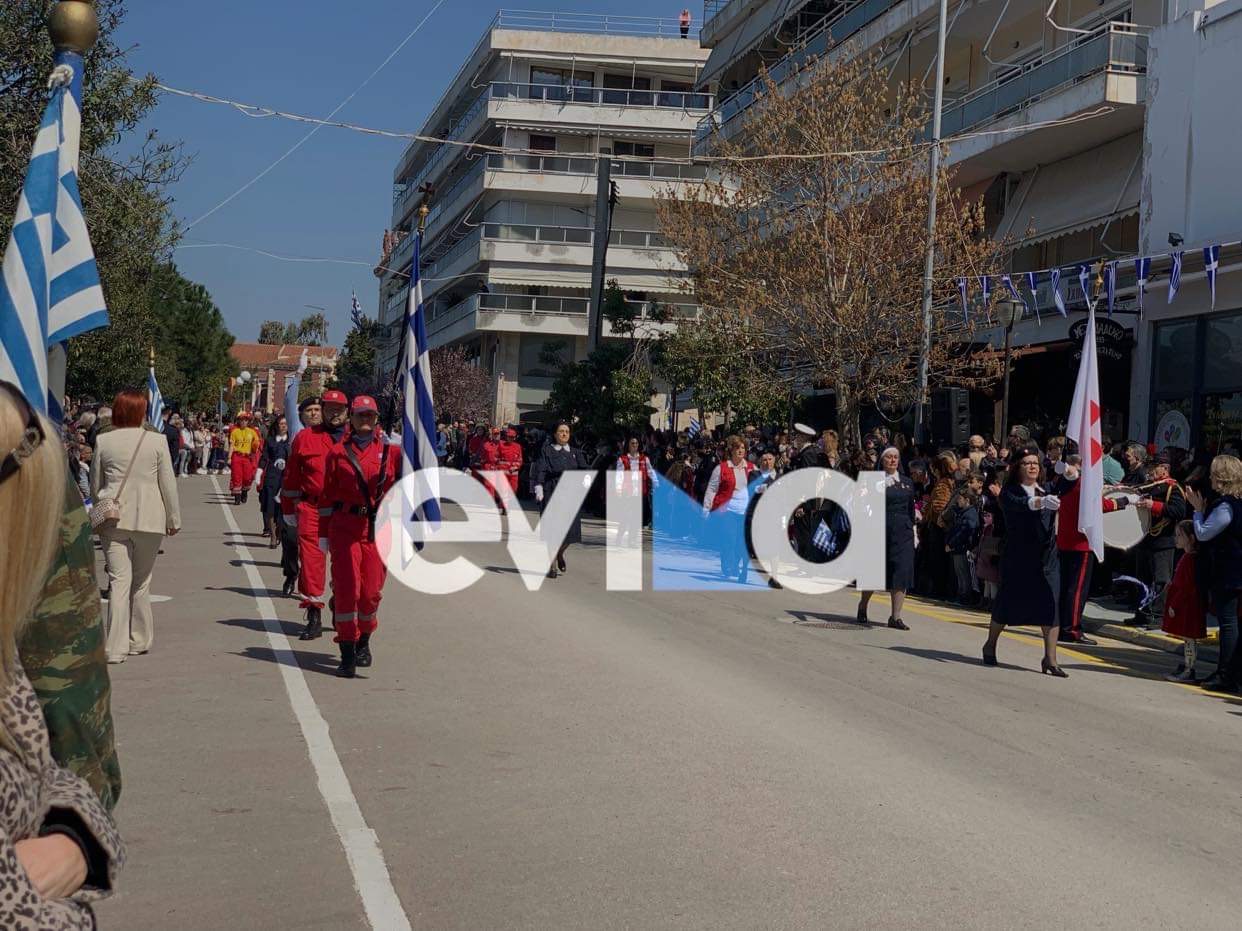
1084,282
985,290
1175,275
1211,262
1142,271
1031,286
1007,281
1056,293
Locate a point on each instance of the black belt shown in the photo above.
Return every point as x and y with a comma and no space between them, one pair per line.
359,510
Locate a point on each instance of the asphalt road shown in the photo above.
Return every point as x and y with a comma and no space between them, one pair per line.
576,758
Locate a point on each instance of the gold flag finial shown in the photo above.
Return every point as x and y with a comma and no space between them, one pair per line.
73,26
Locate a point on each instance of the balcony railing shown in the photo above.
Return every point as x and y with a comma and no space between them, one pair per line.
593,23
442,202
455,131
401,255
571,235
535,304
586,165
434,268
438,319
837,26
601,96
1116,47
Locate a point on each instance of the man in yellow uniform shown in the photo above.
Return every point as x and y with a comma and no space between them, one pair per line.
244,447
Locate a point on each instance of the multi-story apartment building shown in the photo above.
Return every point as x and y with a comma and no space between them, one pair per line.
1044,115
507,250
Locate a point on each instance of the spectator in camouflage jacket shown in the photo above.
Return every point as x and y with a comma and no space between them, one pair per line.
62,650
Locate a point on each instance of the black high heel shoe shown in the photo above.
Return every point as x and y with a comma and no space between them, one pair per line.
897,624
862,615
1051,670
989,659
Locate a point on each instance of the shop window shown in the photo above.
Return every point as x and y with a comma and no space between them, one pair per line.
1175,358
1222,363
1222,418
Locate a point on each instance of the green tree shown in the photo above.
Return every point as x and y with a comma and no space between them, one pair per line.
311,330
193,337
355,367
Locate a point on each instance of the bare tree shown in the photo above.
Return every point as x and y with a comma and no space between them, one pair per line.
463,391
812,234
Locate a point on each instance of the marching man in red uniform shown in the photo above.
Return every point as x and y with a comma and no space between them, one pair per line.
301,494
359,470
510,461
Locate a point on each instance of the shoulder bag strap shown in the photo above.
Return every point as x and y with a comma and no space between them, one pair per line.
142,435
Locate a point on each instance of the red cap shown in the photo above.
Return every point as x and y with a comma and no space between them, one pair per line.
332,396
364,402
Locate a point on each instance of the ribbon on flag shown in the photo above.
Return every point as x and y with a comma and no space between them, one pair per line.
1056,293
961,291
1211,262
1142,271
1175,276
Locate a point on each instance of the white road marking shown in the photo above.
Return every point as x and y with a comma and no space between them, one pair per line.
362,849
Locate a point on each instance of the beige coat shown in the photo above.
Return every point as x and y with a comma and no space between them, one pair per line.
149,503
33,788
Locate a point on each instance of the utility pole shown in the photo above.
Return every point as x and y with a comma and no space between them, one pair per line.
929,267
73,28
599,252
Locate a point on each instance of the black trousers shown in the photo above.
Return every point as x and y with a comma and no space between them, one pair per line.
1076,570
289,563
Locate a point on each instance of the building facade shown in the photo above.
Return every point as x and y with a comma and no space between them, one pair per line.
507,250
273,365
1045,112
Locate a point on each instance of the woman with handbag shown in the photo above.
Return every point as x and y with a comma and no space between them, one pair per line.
135,495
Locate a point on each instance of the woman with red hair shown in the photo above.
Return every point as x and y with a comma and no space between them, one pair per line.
133,467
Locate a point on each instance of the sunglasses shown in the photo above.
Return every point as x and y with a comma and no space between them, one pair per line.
32,437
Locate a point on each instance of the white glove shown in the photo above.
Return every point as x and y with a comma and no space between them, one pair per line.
1051,503
323,544
258,478
291,520
278,465
539,493
1059,468
1131,498
587,480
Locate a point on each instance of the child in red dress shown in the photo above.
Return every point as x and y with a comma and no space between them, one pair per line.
1184,614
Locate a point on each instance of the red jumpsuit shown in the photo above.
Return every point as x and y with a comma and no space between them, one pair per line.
358,570
245,447
301,493
510,461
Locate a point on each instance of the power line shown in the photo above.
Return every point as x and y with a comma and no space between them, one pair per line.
297,145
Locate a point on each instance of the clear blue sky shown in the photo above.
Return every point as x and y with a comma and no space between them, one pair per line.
333,196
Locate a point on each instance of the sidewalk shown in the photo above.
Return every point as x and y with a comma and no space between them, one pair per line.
1106,618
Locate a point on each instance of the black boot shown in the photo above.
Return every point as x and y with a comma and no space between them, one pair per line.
314,629
349,660
363,652
288,587
237,497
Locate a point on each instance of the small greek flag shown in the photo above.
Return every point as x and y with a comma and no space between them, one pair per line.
155,400
1142,271
418,426
1175,275
355,309
1110,284
823,538
1056,293
1008,283
1032,286
961,293
1211,262
49,290
695,428
985,291
1084,282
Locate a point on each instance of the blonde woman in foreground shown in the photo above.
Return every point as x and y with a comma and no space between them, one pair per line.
59,850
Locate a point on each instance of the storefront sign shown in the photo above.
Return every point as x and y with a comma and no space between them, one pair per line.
1173,430
1111,338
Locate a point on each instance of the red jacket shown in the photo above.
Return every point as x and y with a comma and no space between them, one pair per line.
1069,538
304,469
724,491
1184,615
341,491
489,456
644,467
510,456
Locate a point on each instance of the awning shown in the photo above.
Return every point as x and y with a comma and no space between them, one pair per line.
758,25
1076,193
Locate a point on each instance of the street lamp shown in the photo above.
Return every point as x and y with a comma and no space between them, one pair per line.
1008,312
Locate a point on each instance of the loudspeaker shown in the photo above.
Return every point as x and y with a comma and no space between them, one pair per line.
950,416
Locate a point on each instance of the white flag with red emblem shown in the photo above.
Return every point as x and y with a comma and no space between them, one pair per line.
1084,429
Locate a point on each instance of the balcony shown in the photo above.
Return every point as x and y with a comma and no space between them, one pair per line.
456,132
572,235
1116,48
601,96
590,24
440,266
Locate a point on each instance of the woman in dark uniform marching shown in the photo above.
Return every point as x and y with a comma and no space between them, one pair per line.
898,539
556,458
1029,568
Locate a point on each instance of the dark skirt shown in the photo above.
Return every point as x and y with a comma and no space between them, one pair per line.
1029,584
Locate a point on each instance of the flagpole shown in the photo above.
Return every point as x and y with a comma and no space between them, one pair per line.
391,419
73,28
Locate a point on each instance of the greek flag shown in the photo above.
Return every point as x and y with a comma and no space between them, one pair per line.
985,290
961,293
155,405
822,538
1175,275
1142,271
418,421
355,309
50,289
1211,262
1056,293
1013,290
695,428
1084,282
1110,284
1034,289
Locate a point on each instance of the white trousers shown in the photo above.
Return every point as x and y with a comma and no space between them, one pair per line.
130,558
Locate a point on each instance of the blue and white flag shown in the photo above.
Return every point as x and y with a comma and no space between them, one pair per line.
1084,282
418,421
985,291
1110,284
355,309
1033,287
1211,262
292,389
1056,293
49,290
1142,271
1013,291
1175,275
695,428
822,538
961,293
155,401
